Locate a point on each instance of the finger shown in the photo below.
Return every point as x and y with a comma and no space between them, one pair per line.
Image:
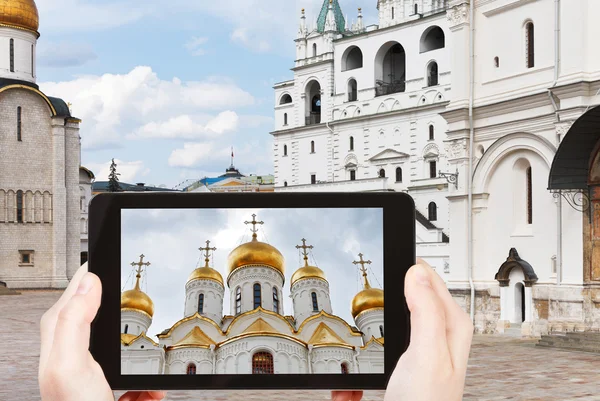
48,322
428,319
459,328
72,335
346,395
143,396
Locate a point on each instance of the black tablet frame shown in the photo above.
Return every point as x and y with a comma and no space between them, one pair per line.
104,261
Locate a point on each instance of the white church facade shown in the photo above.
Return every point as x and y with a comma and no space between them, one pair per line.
463,105
39,164
256,337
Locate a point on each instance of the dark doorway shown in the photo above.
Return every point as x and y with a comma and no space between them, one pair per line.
84,257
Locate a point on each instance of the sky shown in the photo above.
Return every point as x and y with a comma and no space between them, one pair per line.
169,239
167,88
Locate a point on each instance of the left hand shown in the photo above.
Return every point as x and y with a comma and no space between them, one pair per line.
68,372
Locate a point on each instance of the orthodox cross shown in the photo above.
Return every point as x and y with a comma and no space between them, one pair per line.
207,250
139,270
254,223
304,248
362,264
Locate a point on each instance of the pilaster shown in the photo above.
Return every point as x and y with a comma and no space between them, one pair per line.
59,198
73,229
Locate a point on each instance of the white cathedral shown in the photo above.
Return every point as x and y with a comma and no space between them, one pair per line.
256,337
462,104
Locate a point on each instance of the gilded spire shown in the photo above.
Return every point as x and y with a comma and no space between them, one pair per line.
363,269
304,247
254,223
139,270
207,252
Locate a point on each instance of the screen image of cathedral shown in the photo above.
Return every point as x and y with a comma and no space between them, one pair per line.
256,337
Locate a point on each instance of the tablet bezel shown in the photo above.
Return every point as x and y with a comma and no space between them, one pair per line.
105,261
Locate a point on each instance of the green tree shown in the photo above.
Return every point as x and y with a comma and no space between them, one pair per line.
113,178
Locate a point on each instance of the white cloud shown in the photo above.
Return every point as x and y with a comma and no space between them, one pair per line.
193,154
64,54
186,127
115,103
194,46
129,171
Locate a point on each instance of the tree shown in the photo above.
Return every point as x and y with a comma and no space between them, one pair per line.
113,178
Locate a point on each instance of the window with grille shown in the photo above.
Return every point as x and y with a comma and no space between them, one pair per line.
19,123
432,211
262,364
12,55
432,169
275,300
19,206
201,303
529,44
257,297
191,369
315,303
238,300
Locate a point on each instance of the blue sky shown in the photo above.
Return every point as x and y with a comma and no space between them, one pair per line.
166,88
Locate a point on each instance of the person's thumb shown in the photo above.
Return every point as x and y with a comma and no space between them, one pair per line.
72,333
427,316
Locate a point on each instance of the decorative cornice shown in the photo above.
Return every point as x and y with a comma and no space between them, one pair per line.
21,28
141,312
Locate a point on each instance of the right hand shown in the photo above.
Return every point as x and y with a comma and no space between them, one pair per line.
434,366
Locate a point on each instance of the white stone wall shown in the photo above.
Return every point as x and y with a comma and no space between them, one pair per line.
85,196
301,294
213,299
136,322
24,43
246,277
369,323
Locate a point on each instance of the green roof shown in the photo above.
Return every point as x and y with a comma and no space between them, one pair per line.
339,17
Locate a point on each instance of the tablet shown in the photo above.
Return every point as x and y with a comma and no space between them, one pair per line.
251,290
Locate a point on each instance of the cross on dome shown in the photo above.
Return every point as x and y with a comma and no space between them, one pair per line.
207,252
138,270
304,247
254,223
363,269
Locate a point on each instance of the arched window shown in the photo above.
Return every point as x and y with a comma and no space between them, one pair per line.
382,173
19,112
496,62
431,133
19,206
315,303
257,296
344,367
314,50
285,183
432,39
201,303
398,174
262,364
432,209
529,197
285,99
390,69
126,328
312,146
416,8
12,55
529,44
352,59
352,91
392,12
351,143
381,330
285,119
238,300
191,369
432,74
313,103
275,300
432,169
285,150
352,175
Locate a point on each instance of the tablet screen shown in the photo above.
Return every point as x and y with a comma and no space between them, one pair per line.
252,291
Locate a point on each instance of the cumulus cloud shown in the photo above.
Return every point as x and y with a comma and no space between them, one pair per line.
187,127
64,54
129,171
111,105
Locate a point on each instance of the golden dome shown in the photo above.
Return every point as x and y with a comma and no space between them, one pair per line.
255,253
137,299
206,273
20,14
308,272
369,298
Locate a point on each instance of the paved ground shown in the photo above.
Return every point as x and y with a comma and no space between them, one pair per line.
499,369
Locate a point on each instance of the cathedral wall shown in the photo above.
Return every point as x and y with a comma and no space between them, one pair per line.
246,277
330,359
213,299
371,361
26,166
142,362
302,298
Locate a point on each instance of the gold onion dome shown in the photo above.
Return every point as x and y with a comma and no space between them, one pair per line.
255,253
20,14
137,299
206,273
306,271
369,298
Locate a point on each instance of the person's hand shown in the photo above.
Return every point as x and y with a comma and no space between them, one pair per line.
435,365
68,372
346,395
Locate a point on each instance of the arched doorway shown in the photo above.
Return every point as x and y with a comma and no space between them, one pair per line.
519,302
313,105
390,69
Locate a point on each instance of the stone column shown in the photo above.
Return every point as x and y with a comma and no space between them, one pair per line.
59,200
503,323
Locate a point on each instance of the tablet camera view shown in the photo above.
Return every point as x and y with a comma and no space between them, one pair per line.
270,291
